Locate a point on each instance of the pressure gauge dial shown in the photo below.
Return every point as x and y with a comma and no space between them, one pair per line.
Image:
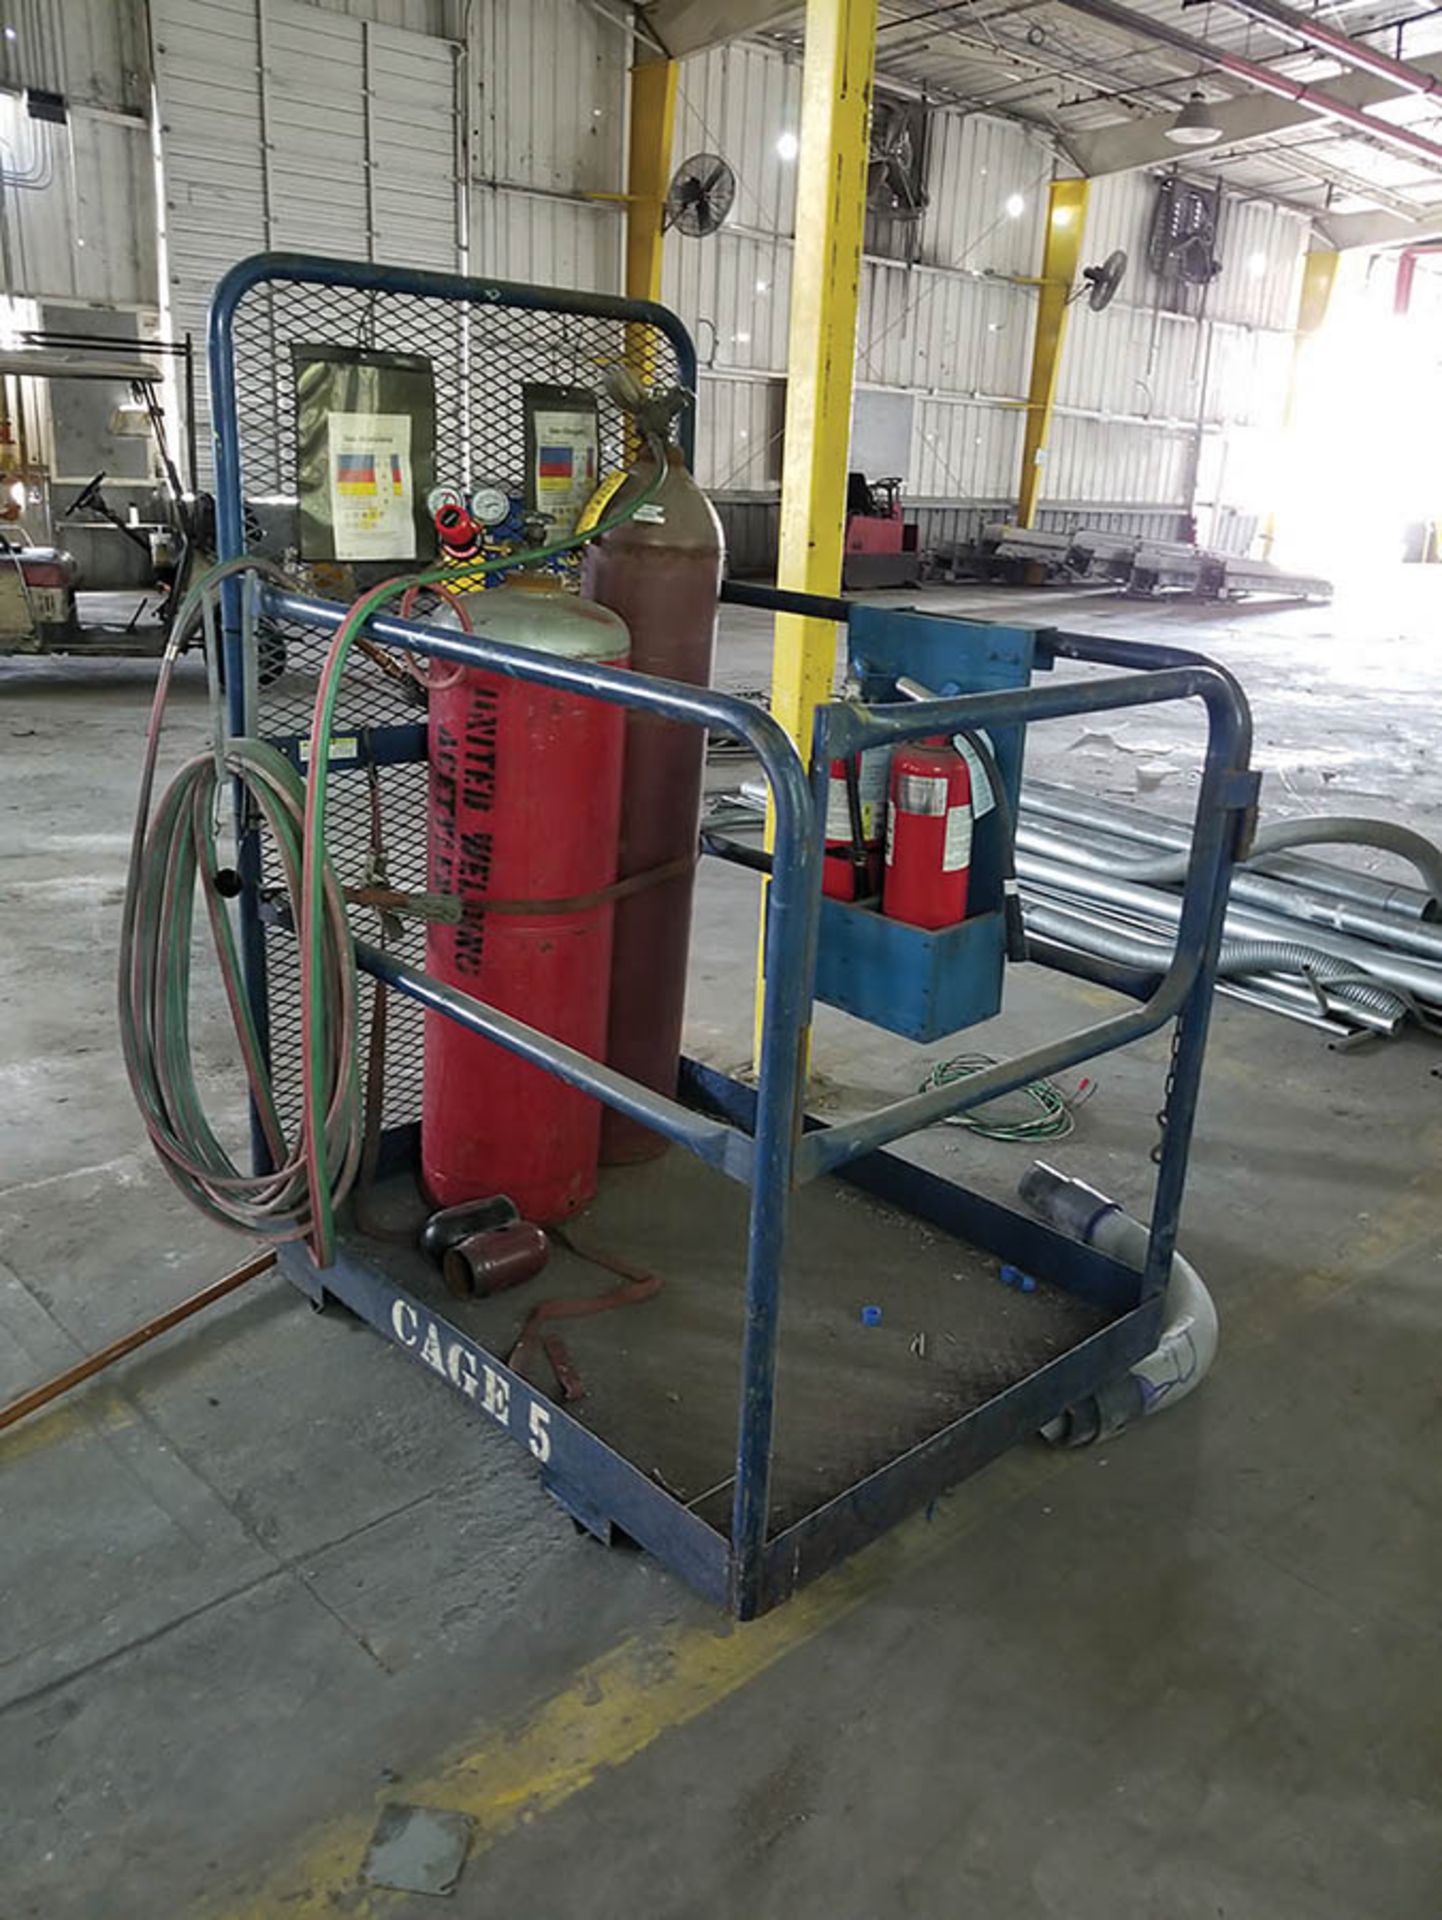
441,497
490,506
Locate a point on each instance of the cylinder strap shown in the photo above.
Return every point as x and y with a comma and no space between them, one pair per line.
637,1285
579,902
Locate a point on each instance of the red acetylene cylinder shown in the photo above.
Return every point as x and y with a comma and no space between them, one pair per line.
928,837
662,573
525,800
841,876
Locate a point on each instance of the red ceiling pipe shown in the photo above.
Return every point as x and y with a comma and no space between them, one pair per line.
1353,53
1265,79
1407,272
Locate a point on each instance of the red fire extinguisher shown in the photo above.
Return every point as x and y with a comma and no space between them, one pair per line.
928,837
849,873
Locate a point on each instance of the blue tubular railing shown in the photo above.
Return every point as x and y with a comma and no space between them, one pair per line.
843,730
758,1138
792,906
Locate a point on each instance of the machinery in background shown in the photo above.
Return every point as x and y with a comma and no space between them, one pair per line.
39,610
1091,556
37,598
880,547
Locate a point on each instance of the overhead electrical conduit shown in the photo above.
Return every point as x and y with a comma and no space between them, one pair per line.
1265,79
1181,1358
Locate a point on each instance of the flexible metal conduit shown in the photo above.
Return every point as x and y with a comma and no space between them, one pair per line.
1059,875
1238,959
1153,830
1182,1357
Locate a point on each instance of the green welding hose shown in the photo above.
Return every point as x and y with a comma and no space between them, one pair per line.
177,849
169,853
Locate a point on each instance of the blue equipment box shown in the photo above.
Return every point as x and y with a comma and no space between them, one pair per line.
922,984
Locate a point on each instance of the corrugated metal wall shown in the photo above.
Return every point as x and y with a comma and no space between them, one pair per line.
85,232
292,126
337,125
954,331
549,119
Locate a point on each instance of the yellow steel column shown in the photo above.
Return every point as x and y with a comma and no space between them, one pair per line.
648,170
1319,276
821,354
1061,255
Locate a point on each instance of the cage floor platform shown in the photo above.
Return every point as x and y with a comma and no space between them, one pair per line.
661,1377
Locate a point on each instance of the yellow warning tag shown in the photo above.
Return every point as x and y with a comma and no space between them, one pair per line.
596,506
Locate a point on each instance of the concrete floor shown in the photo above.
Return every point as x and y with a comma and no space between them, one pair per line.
267,1577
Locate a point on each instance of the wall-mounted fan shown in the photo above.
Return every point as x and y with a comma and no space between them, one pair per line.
700,195
1099,284
1182,243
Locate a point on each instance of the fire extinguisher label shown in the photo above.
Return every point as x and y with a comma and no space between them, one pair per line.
956,848
923,793
871,785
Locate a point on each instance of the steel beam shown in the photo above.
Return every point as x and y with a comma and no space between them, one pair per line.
821,356
648,170
1061,256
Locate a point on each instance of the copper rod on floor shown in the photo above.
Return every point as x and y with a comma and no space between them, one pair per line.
94,1363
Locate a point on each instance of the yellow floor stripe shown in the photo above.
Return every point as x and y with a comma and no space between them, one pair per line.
619,1704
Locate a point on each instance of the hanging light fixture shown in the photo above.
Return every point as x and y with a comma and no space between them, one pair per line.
1196,124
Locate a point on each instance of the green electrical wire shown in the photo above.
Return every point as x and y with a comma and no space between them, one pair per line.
1051,1118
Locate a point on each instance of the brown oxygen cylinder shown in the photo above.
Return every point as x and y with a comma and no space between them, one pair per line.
662,573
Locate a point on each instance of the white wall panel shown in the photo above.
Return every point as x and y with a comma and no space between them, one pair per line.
288,125
92,51
88,233
737,100
975,165
738,438
943,332
551,81
550,243
1115,462
965,451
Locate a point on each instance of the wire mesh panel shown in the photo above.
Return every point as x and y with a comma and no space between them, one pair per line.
484,341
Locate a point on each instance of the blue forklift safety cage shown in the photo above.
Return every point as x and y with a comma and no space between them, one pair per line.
758,1136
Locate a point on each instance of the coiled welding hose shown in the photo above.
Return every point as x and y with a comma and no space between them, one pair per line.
168,854
311,1175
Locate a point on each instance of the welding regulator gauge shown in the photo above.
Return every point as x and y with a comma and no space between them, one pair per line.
490,505
439,498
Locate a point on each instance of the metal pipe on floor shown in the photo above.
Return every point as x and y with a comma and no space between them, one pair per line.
1384,966
41,1396
1149,829
1104,853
